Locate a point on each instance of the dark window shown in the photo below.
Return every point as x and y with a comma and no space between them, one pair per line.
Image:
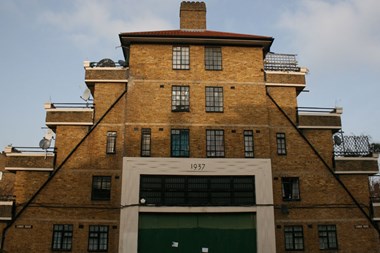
215,143
248,143
180,98
198,190
180,142
293,237
181,57
145,142
101,188
98,238
281,144
327,237
111,142
214,99
290,188
213,58
62,237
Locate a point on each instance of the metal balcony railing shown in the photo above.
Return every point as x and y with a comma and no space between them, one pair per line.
281,62
72,105
353,146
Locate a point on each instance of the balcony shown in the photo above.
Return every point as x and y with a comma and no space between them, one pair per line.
355,155
105,71
319,118
69,114
29,159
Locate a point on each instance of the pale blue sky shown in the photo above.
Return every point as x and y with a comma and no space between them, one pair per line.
44,43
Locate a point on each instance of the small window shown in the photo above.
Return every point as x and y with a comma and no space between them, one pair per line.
145,142
327,237
180,143
62,237
180,98
101,188
281,144
215,143
290,188
98,238
293,238
214,99
213,58
111,142
248,143
181,57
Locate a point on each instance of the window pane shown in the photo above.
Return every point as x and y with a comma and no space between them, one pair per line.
214,99
181,58
213,58
111,143
215,143
145,142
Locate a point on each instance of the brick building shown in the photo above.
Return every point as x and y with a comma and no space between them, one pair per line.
193,143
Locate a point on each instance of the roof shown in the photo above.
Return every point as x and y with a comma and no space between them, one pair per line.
194,37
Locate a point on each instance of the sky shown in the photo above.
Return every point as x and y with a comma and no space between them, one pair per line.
43,45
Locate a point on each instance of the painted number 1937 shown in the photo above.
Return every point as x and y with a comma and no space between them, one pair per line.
197,166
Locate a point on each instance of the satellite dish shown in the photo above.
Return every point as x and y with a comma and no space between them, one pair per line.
49,134
337,140
86,94
45,143
106,63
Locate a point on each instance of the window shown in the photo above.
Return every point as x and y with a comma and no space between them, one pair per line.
180,99
111,142
213,58
215,143
181,57
98,238
62,237
198,190
248,143
145,142
327,237
101,188
293,237
281,144
180,143
214,99
290,188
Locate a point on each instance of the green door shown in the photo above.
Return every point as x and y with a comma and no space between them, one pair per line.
197,233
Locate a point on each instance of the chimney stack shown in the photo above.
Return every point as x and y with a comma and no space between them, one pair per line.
192,16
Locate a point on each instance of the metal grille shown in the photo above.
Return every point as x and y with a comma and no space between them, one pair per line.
351,146
198,190
281,62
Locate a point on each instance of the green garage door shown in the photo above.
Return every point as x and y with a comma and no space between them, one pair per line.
196,233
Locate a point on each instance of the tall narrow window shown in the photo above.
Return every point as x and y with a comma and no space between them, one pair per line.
213,58
62,237
101,188
214,99
215,143
293,237
180,98
281,144
181,57
327,237
111,142
145,142
98,238
180,143
248,143
290,188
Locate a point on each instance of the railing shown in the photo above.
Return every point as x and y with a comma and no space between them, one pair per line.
108,63
32,150
72,105
316,109
281,62
352,146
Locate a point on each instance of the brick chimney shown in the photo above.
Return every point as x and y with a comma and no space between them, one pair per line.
192,15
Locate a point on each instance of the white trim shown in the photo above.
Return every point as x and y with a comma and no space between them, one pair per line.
49,154
69,109
356,158
70,123
376,204
356,172
286,84
376,219
133,167
6,203
28,169
106,80
5,218
319,114
320,127
286,72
